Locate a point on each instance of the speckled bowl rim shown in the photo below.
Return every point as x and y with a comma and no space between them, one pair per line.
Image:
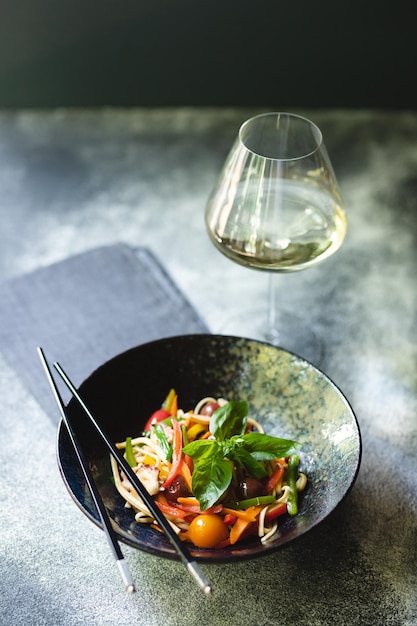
241,551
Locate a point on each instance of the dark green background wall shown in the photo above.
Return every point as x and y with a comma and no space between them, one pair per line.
296,53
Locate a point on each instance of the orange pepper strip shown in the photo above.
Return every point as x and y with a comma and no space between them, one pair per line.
174,406
190,500
274,479
176,454
238,529
248,515
184,470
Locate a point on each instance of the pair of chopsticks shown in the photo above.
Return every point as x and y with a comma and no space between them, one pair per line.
182,551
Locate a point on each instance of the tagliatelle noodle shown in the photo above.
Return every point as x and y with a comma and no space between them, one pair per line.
301,481
285,494
263,532
130,495
149,446
206,400
147,449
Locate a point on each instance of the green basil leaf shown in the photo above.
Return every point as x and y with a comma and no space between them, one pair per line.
196,449
251,465
266,448
211,477
230,419
214,459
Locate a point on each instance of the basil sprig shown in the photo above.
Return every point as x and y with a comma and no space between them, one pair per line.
214,460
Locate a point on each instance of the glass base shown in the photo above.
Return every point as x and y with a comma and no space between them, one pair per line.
290,332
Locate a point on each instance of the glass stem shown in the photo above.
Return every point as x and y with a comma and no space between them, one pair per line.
273,331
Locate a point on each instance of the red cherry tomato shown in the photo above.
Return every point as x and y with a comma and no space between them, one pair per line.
157,416
207,531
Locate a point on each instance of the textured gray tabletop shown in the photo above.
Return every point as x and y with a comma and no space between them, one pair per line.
73,181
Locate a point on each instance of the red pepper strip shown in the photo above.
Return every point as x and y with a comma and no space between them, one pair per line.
189,462
229,519
176,454
169,509
272,514
190,508
274,479
156,417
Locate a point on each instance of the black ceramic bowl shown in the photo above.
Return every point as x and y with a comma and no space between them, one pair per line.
288,395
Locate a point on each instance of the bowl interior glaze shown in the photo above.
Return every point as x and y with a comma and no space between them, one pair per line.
288,395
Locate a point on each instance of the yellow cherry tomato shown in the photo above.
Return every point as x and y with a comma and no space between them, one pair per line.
207,531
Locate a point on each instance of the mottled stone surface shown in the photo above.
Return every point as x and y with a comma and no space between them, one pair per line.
74,180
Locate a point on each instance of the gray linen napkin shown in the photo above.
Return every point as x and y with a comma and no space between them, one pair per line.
85,310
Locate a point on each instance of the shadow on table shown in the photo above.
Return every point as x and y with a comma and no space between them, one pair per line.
351,569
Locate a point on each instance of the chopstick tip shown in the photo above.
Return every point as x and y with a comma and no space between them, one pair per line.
207,590
126,575
199,577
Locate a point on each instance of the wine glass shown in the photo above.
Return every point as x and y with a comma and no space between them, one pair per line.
277,207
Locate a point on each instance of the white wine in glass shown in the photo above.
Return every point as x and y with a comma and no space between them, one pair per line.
277,207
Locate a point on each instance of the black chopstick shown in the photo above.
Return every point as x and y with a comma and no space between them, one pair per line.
107,527
182,551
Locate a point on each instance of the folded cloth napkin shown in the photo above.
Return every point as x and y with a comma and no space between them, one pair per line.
85,310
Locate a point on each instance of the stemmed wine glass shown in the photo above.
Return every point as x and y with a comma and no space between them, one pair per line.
277,207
